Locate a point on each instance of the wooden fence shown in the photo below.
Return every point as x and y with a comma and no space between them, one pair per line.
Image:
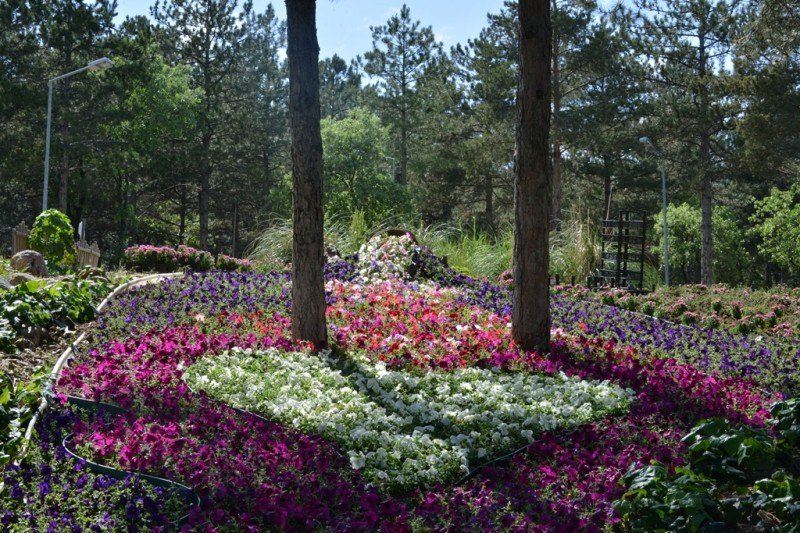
19,238
88,255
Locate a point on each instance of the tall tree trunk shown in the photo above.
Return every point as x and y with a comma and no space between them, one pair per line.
706,208
308,281
122,208
182,219
489,192
706,192
532,192
402,176
607,188
265,162
63,174
205,186
555,212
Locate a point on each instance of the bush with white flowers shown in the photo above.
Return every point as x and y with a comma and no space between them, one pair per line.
386,257
399,429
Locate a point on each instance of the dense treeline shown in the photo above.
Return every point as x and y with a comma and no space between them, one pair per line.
186,138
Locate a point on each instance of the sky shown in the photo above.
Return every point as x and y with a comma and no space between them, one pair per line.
343,25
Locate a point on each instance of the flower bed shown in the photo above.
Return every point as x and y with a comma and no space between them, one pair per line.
423,368
771,362
774,312
399,428
49,491
148,258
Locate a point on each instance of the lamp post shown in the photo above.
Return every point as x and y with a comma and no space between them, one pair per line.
647,142
98,64
394,165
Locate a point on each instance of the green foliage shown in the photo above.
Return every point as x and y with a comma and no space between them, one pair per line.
730,453
7,336
656,502
470,251
731,262
736,475
575,248
777,225
5,267
786,420
272,249
355,164
37,304
18,403
52,235
779,497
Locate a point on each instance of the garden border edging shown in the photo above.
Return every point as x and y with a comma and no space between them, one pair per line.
186,493
55,374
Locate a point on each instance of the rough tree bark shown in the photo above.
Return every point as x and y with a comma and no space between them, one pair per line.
205,190
555,212
706,190
532,191
488,184
308,282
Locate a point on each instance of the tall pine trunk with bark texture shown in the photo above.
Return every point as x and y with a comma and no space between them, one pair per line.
532,182
555,212
706,189
308,281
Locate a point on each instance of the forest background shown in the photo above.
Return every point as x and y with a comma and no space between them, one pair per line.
185,139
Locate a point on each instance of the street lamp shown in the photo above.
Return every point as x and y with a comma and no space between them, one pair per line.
647,142
394,166
98,64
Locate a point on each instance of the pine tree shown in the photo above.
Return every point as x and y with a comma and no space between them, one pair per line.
206,34
400,54
340,86
687,44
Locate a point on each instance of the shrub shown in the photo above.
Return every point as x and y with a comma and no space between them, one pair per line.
48,307
146,258
226,262
198,260
731,262
777,225
52,235
18,403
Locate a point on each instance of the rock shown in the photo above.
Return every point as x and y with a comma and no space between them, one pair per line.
18,278
331,251
5,284
31,262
